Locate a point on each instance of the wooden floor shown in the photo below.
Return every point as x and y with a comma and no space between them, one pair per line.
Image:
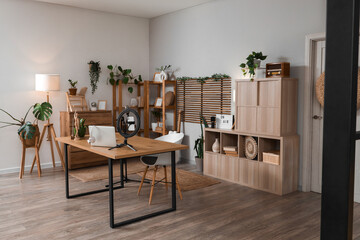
36,208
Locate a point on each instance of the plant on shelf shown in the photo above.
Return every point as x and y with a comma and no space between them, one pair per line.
202,80
253,62
117,73
157,115
199,144
73,89
219,76
82,128
94,72
163,68
28,129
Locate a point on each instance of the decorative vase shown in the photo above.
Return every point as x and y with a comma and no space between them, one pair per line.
153,126
163,76
216,146
133,102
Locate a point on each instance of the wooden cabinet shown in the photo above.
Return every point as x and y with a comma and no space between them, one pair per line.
78,158
279,178
267,106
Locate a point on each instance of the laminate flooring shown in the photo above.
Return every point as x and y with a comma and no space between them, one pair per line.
36,208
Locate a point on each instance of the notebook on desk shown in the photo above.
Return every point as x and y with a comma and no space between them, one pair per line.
102,136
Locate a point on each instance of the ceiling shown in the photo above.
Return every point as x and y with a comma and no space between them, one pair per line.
136,8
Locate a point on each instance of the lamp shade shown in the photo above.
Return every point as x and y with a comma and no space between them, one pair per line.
47,82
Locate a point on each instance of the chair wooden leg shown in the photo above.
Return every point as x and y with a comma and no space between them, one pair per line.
166,180
22,166
178,187
142,180
153,184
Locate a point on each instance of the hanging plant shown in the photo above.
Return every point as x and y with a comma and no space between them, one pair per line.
117,73
94,72
201,80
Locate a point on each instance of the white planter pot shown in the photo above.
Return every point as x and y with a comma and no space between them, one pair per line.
199,164
153,126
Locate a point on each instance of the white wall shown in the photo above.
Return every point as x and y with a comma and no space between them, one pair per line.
45,38
218,36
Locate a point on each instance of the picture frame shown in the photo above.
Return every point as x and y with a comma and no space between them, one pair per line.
102,104
224,121
157,77
158,102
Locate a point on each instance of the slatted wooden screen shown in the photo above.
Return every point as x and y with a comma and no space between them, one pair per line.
209,98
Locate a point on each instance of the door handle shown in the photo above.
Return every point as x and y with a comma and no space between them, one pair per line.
317,117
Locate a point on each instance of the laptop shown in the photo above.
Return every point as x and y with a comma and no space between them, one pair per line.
102,136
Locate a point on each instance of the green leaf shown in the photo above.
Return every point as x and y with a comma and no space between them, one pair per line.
117,82
130,89
120,69
110,67
112,74
127,72
136,81
27,130
42,111
140,78
111,81
125,80
243,65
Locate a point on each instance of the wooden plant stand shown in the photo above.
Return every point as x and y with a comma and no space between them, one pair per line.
26,145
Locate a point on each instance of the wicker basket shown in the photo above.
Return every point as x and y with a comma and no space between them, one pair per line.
320,83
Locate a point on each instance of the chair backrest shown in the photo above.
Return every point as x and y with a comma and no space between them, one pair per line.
172,138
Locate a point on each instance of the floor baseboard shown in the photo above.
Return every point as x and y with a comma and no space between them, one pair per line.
27,168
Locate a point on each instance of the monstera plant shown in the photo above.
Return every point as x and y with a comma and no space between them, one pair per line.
27,129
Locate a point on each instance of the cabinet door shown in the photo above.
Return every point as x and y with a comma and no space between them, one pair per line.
211,164
248,172
229,168
246,119
246,93
268,121
269,93
270,178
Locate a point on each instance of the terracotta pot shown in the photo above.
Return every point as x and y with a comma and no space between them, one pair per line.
31,142
72,91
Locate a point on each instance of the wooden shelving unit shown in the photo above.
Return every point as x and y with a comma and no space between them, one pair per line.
145,111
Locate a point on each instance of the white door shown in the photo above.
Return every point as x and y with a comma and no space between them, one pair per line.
317,121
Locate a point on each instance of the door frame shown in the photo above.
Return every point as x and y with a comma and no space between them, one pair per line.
310,41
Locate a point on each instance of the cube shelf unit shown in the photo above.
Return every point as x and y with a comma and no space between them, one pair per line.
279,179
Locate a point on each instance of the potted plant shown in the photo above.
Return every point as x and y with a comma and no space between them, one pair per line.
117,73
199,145
94,72
164,70
253,62
157,115
82,128
27,130
73,89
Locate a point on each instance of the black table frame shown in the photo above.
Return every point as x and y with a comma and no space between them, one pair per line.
111,189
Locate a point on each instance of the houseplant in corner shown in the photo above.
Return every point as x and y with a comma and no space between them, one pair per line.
199,145
157,115
73,89
253,62
27,130
94,72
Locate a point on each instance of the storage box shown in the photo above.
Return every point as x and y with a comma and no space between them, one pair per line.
272,157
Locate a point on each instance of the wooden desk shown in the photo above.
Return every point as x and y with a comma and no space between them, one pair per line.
144,146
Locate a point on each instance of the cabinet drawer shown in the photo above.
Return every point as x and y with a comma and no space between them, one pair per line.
211,164
229,168
269,94
246,93
269,178
246,119
248,172
268,121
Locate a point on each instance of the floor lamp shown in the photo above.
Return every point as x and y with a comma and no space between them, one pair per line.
47,83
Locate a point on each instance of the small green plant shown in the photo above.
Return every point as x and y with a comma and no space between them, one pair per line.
156,114
82,128
94,72
252,64
117,73
201,80
27,129
163,68
199,143
72,83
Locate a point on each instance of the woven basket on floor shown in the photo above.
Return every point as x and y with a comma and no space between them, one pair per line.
319,89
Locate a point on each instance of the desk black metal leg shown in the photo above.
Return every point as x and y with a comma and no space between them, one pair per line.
173,180
121,173
66,171
111,192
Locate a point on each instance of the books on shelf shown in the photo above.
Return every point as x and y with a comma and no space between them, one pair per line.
230,148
